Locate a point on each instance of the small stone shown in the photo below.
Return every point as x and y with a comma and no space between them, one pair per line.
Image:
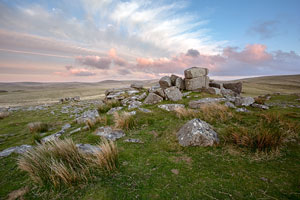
113,110
171,107
200,102
109,133
229,104
242,110
131,140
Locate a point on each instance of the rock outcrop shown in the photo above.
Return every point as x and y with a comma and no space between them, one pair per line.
196,78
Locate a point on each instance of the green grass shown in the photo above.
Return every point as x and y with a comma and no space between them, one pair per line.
226,171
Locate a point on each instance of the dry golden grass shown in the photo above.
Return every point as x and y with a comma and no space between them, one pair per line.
185,113
212,112
60,162
107,158
4,115
35,127
124,120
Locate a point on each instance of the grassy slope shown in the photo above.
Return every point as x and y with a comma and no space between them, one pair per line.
222,172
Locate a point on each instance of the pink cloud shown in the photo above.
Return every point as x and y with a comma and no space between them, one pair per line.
94,61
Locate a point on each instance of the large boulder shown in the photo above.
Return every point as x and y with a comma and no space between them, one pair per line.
198,103
244,101
179,83
137,85
234,86
109,133
159,91
171,107
152,99
173,79
173,94
165,82
195,72
197,133
196,83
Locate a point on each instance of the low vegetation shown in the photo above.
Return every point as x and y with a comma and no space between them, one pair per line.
60,162
38,127
186,113
124,120
213,112
108,105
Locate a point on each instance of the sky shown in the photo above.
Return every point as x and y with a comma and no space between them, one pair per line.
95,40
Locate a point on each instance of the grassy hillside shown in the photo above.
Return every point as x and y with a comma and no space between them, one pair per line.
160,168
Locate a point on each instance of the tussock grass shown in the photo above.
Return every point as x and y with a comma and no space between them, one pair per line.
124,121
38,127
268,135
4,115
60,163
212,112
185,113
260,99
108,105
92,123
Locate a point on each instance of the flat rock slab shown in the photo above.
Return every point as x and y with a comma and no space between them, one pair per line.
264,107
52,137
88,148
109,133
242,110
171,107
197,133
19,149
145,110
200,102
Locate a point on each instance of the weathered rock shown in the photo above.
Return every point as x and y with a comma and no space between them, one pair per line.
19,149
196,83
66,126
165,82
242,110
132,140
171,107
113,110
160,92
142,96
145,110
195,72
229,104
197,133
75,130
87,115
132,112
87,148
215,85
212,90
134,104
234,86
228,93
137,85
264,107
179,83
173,79
173,93
153,99
244,101
200,102
52,137
109,133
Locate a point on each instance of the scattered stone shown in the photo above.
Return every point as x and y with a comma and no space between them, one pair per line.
234,86
212,90
264,107
175,171
142,96
165,82
153,99
242,110
185,94
69,99
19,149
145,110
179,83
132,113
113,110
171,107
109,133
228,93
87,148
173,79
52,137
137,85
195,72
229,104
196,83
66,126
173,93
131,140
200,102
244,101
75,131
87,115
134,104
197,133
131,92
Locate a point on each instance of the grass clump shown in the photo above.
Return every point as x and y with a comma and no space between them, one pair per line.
38,127
104,108
124,121
269,134
185,113
212,112
61,163
91,123
4,115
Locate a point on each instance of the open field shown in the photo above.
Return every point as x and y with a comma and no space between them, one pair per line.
17,94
